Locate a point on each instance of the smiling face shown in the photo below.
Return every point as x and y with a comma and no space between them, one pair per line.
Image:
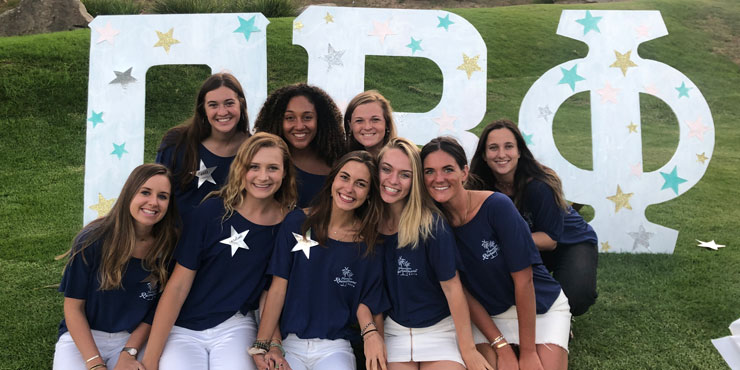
502,154
443,178
351,186
151,201
265,173
223,110
396,176
368,125
299,122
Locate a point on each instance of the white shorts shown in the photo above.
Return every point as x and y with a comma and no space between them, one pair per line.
434,343
67,356
318,354
552,326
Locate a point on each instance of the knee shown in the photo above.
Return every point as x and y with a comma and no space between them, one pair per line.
580,300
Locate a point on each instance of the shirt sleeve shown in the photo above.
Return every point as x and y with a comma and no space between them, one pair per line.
374,296
191,245
441,251
546,215
76,278
516,240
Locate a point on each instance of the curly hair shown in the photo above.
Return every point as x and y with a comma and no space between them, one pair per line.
370,96
329,142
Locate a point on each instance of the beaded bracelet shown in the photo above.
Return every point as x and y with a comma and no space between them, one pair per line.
368,332
279,346
260,347
367,326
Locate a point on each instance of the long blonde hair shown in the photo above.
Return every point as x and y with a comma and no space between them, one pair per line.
417,217
118,236
233,192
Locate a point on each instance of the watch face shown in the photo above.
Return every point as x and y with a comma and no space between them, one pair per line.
131,351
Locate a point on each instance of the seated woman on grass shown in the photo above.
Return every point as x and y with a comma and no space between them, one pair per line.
368,122
327,275
566,242
205,318
513,299
117,267
200,151
311,124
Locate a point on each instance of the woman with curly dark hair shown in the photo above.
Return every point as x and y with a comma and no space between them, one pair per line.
311,124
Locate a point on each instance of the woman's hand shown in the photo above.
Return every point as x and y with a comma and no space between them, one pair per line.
128,362
530,361
475,361
275,359
375,354
506,359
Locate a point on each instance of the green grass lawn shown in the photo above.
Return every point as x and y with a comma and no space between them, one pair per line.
654,311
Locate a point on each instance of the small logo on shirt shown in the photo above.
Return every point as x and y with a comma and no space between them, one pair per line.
404,268
346,279
149,294
490,249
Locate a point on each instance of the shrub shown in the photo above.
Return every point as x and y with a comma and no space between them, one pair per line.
269,8
112,7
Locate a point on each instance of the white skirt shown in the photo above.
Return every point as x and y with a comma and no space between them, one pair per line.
435,343
551,327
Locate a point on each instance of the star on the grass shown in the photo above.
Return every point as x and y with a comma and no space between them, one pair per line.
710,245
246,27
641,237
298,25
672,180
621,200
304,244
683,90
570,77
381,30
605,247
623,61
643,31
414,45
701,158
106,33
697,129
333,57
608,94
632,127
545,112
328,18
445,22
205,174
103,206
527,138
236,240
119,150
166,40
445,122
636,170
123,78
469,65
589,23
96,118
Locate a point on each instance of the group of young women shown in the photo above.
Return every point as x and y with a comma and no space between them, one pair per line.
278,250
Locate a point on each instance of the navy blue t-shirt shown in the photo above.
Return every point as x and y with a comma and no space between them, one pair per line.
495,243
114,310
229,277
413,276
193,194
309,186
325,289
543,214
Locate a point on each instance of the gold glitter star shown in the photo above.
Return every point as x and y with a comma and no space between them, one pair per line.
605,246
621,200
469,65
632,127
701,158
103,206
623,61
166,40
328,18
297,25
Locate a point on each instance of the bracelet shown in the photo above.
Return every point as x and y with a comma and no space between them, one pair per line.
368,332
252,351
92,358
279,346
504,344
97,366
260,347
497,340
367,326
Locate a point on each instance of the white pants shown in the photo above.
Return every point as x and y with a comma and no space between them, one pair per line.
318,354
68,357
221,347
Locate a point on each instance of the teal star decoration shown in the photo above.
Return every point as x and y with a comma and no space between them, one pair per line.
445,22
96,118
246,27
570,77
119,150
527,138
414,46
683,90
672,180
589,23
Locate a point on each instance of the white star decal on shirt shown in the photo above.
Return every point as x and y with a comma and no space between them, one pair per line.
304,244
204,174
236,240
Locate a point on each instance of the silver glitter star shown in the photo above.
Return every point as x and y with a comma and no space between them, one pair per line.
545,112
205,174
642,238
333,57
123,78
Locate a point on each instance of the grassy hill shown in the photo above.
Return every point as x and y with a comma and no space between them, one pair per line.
654,311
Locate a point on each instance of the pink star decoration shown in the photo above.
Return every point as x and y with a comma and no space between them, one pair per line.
636,169
106,33
643,31
697,129
381,30
445,122
650,89
608,94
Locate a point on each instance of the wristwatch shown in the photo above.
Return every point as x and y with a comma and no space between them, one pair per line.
131,351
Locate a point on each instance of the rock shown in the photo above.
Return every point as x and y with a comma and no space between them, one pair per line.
40,16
